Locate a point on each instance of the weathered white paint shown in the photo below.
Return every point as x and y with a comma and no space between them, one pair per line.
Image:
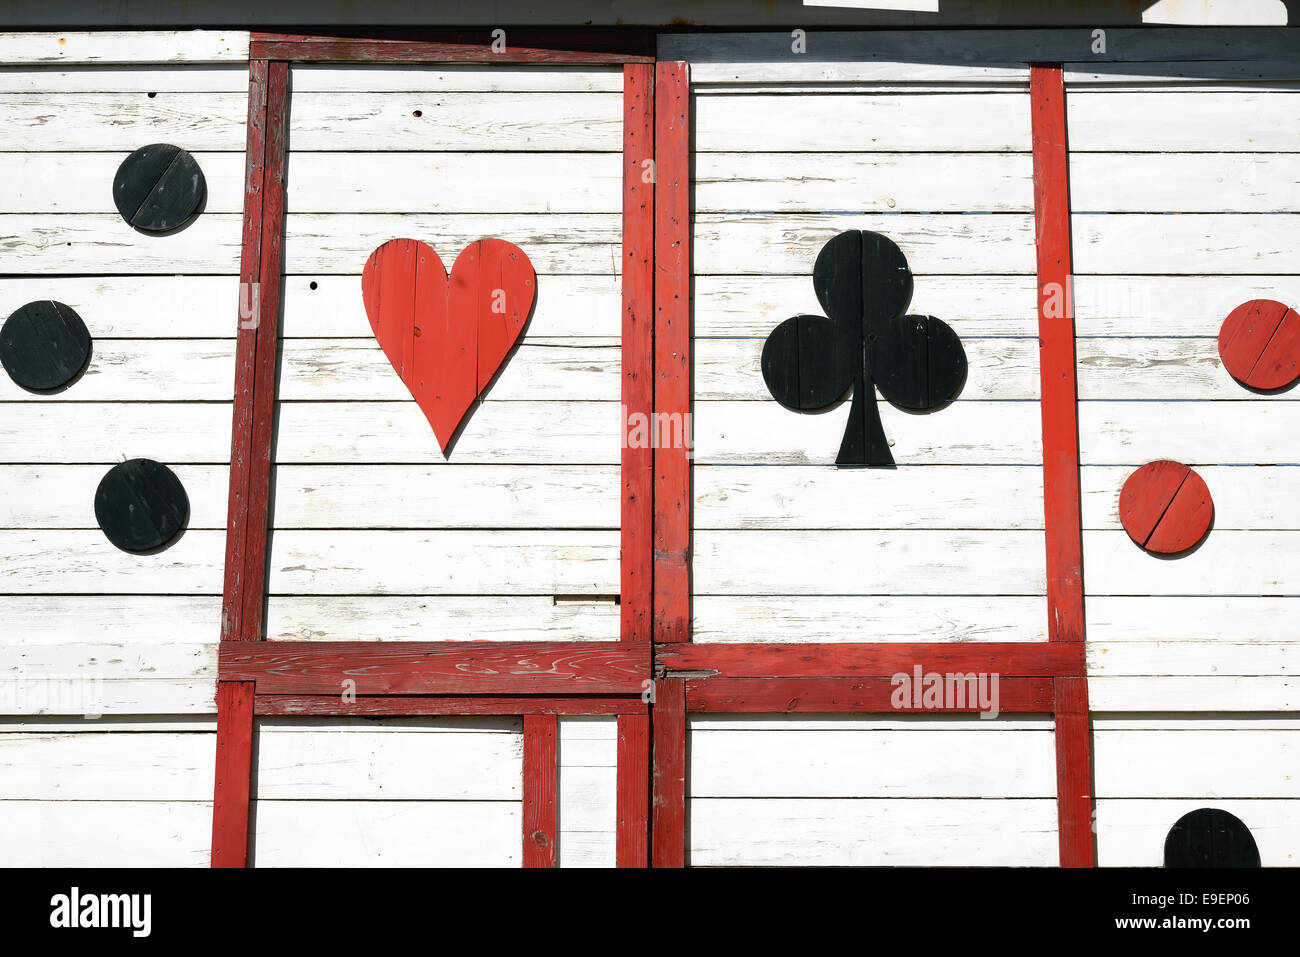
126,46
1131,833
587,812
122,122
453,78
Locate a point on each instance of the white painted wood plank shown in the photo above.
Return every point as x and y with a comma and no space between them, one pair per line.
767,763
119,78
455,183
785,619
127,370
1161,369
866,182
1226,563
575,306
966,432
901,76
490,562
439,618
1196,433
126,658
1131,833
357,369
386,833
107,766
313,432
106,833
92,698
1201,722
588,758
1190,618
83,182
1187,244
439,759
1263,121
104,243
1213,657
122,122
729,832
807,497
1198,694
63,496
38,724
905,562
53,619
141,307
741,306
789,243
125,46
1169,305
453,78
1259,498
1003,368
826,122
871,722
1199,76
1184,182
466,121
560,433
587,243
85,562
412,496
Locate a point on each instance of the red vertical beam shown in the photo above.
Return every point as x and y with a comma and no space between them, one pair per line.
671,426
636,591
233,774
1064,536
668,814
250,447
541,781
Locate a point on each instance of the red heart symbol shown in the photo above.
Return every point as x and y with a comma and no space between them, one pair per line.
447,338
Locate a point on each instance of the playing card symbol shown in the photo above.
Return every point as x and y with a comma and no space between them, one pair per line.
447,336
864,342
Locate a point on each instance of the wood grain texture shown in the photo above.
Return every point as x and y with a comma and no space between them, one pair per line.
139,78
668,838
1145,122
637,396
1012,659
371,707
541,783
453,78
633,787
437,667
121,122
1189,244
588,798
124,47
233,774
672,355
528,46
846,695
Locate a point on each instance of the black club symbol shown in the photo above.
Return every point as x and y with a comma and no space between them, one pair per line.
867,343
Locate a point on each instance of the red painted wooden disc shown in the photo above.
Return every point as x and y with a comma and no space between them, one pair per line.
1165,507
1259,343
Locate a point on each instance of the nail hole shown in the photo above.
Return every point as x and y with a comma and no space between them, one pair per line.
418,113
152,95
312,284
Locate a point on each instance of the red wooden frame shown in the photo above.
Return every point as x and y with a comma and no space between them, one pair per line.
1038,677
538,680
546,679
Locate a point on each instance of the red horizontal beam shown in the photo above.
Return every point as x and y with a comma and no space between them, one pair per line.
332,705
872,660
336,668
514,46
849,695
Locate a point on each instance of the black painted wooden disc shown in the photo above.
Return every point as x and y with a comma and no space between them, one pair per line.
44,345
141,505
158,188
918,362
1210,837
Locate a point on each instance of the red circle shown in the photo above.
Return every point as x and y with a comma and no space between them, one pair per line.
1259,343
1165,507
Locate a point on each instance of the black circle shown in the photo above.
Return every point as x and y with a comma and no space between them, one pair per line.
141,505
44,345
312,285
1210,837
918,362
804,365
159,188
